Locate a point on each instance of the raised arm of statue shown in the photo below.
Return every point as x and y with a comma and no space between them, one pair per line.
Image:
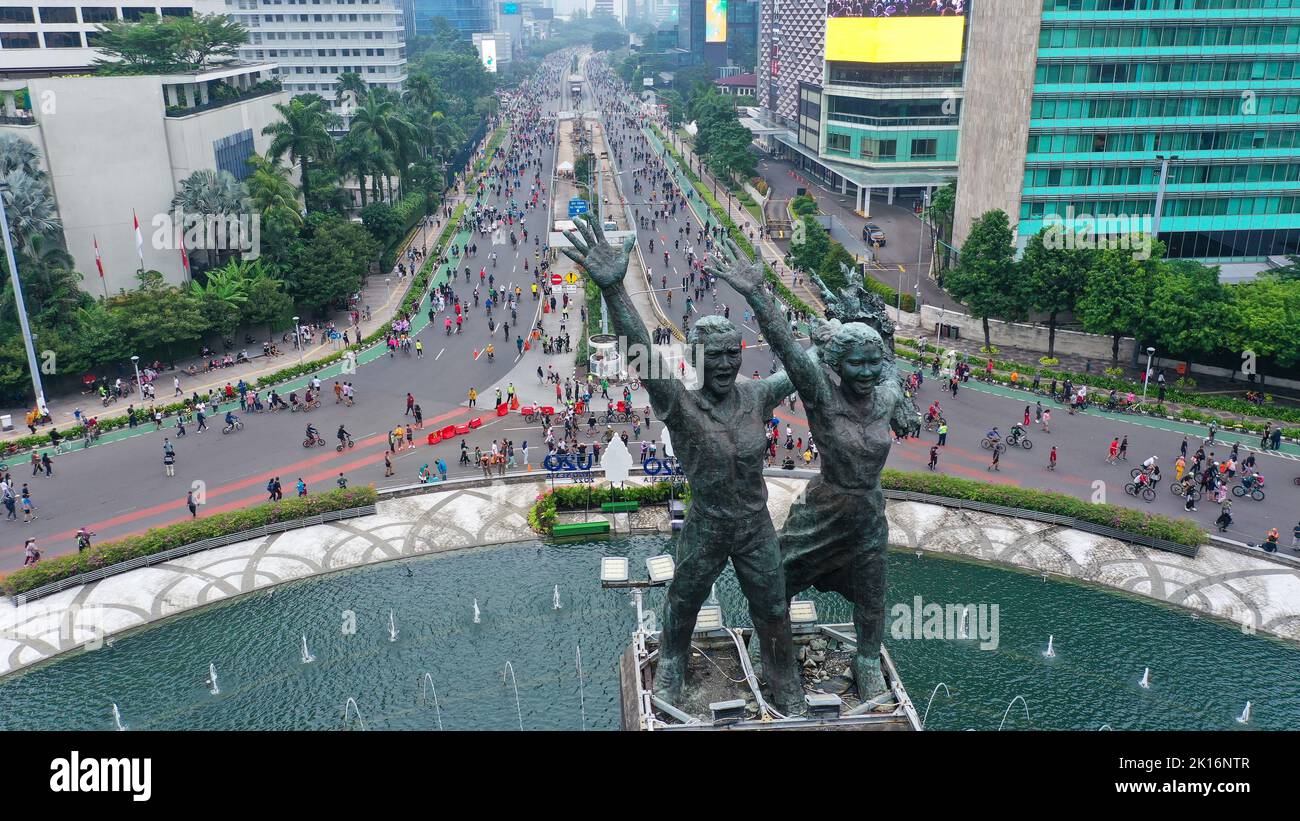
801,367
607,267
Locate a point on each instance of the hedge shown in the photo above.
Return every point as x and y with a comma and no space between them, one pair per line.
156,540
889,295
1130,520
542,515
1239,407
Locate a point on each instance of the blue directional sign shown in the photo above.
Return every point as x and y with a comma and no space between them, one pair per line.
578,206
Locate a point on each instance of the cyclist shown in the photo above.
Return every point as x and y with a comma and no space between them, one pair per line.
343,435
993,435
312,433
491,353
231,419
293,400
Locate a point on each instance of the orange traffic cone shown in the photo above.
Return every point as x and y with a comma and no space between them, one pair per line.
514,403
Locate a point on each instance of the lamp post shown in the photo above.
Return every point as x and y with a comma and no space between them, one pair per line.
1146,377
28,338
297,337
135,363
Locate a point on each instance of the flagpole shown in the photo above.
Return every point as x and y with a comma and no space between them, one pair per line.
99,265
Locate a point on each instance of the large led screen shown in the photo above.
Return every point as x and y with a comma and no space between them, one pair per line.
715,21
898,31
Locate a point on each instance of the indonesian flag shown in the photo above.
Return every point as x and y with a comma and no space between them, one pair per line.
139,238
99,262
185,258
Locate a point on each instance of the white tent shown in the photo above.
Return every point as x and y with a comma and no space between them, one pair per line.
565,166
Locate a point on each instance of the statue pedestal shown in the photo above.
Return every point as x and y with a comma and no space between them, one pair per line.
824,651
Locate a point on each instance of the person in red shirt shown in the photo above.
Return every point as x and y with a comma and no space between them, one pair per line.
1114,452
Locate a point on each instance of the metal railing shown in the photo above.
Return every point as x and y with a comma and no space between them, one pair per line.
186,550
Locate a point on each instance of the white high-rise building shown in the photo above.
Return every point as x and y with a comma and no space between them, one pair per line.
602,7
314,41
57,36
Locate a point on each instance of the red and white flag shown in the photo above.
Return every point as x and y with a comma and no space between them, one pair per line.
185,258
99,262
139,239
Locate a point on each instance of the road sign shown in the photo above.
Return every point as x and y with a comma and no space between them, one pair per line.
571,277
556,279
578,206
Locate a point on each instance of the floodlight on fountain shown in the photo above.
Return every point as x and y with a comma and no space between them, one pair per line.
661,568
803,612
709,618
823,705
613,569
727,712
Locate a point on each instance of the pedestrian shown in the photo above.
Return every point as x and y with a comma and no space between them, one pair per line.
1295,536
410,404
279,490
410,437
388,464
169,463
1047,420
189,502
270,490
1123,448
1051,459
473,397
934,456
943,433
994,464
31,553
342,482
302,487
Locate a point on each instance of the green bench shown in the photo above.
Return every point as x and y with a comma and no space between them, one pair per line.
581,528
620,507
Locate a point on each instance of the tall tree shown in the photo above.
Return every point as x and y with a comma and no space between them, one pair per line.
156,45
986,280
303,134
379,115
1188,308
1117,296
1054,271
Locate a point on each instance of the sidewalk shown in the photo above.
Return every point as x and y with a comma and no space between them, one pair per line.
383,293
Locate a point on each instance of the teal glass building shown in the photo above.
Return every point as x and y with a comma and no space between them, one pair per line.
1208,88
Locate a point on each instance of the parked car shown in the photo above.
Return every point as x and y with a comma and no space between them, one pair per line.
872,233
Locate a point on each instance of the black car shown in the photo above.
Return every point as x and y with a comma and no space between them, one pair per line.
872,234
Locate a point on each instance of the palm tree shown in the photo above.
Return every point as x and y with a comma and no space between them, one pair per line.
18,154
381,116
349,90
30,207
271,192
302,134
421,91
209,193
360,156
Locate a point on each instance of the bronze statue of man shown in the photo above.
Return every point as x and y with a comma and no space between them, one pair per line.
718,433
835,537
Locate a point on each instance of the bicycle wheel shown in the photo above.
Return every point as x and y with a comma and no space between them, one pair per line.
1000,448
1130,489
1135,472
1148,494
1195,494
1178,489
1238,491
1257,495
1026,444
986,444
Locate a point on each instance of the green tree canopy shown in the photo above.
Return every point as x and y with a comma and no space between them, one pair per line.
166,45
986,280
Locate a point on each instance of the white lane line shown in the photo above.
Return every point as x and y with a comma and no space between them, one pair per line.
439,356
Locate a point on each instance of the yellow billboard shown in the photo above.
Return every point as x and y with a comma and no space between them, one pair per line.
920,39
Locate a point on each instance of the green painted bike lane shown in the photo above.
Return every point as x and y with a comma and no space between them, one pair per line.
1194,432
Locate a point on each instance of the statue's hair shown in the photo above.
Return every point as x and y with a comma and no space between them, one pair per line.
834,339
711,326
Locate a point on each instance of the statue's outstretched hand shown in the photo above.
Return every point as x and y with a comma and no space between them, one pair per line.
739,272
605,264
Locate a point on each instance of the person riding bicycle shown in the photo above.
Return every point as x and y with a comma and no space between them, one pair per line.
231,419
1149,464
1252,481
293,399
312,433
933,413
343,435
993,435
491,353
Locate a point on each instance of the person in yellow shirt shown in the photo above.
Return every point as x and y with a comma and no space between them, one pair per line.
807,457
1015,375
399,436
473,397
1179,467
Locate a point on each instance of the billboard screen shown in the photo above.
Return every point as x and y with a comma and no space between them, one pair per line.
715,21
895,31
490,55
509,8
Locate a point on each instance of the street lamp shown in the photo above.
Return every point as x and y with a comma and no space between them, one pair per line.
1146,377
28,339
135,363
297,338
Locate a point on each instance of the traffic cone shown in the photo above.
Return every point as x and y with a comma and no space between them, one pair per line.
514,403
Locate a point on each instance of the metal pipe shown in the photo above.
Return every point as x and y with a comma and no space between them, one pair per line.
21,307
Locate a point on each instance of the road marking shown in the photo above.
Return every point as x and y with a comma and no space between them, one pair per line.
439,356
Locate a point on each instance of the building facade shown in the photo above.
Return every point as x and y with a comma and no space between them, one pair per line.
314,41
58,36
466,16
149,133
1079,105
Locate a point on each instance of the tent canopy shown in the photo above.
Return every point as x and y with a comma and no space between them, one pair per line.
564,166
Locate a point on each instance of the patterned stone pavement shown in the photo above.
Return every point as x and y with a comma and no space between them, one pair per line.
1252,592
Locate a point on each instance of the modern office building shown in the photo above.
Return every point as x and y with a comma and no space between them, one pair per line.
864,103
466,16
706,29
116,148
1074,107
57,36
315,41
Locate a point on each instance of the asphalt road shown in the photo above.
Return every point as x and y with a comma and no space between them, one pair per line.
118,487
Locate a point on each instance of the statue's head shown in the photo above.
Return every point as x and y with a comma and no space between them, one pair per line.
722,352
854,350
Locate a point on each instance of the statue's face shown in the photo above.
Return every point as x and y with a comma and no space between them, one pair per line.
860,368
721,363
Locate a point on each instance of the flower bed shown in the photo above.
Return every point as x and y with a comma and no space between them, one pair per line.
159,539
542,515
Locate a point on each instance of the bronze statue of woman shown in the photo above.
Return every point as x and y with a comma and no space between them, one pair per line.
835,537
